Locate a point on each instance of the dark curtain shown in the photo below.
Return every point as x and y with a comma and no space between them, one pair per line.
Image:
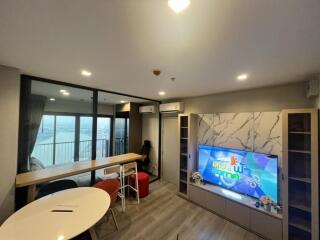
37,104
31,111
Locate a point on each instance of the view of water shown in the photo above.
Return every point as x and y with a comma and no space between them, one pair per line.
64,127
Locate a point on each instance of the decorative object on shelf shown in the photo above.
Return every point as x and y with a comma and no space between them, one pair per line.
267,203
197,178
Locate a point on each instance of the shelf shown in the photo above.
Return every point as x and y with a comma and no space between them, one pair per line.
183,181
300,132
183,127
184,154
300,186
184,138
298,151
305,180
183,195
183,170
300,207
301,227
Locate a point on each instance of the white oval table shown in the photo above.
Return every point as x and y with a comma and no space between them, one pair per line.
59,216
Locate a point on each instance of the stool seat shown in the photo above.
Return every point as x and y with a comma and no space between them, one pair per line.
111,186
143,180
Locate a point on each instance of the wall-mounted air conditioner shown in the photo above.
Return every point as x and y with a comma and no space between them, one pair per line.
172,107
313,86
147,109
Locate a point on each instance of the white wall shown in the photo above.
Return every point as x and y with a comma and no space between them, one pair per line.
150,131
68,106
71,106
265,99
9,112
106,109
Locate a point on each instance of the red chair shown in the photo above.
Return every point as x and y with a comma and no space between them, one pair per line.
111,186
143,183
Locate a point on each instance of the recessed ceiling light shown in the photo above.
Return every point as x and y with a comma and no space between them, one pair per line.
162,93
66,93
242,77
178,5
122,101
86,73
63,90
52,99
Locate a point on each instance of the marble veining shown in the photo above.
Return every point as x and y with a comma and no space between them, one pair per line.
231,130
253,131
267,133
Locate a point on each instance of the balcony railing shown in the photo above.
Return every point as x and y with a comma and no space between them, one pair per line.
64,152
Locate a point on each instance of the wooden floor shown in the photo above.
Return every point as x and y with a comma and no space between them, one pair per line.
164,215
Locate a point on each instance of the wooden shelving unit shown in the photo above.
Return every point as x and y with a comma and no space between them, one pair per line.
300,167
188,146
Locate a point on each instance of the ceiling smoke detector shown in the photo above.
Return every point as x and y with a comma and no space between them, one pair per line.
156,72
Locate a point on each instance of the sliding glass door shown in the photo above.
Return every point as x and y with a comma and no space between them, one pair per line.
63,139
104,130
85,138
121,136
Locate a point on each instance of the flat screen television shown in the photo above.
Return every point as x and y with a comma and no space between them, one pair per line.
249,173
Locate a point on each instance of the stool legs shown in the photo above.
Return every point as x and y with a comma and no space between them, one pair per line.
137,186
122,191
114,219
93,233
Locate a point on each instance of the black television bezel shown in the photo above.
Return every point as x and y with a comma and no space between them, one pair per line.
208,182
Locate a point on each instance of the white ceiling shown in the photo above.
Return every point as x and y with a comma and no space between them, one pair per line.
121,41
109,98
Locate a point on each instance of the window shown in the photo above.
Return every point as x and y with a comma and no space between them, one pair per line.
121,136
65,139
57,122
57,140
44,146
103,137
85,145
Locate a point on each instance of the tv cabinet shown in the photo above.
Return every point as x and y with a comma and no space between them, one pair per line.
188,149
239,209
300,169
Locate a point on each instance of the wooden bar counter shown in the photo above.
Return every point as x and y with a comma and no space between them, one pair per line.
31,179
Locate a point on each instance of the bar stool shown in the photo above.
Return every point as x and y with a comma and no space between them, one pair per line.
143,181
128,170
111,186
115,172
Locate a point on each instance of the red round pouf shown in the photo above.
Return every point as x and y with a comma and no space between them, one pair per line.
143,181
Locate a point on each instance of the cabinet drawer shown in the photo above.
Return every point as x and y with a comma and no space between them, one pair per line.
207,199
238,213
198,195
216,204
265,225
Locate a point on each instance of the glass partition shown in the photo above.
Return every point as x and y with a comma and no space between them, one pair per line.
132,130
64,123
60,124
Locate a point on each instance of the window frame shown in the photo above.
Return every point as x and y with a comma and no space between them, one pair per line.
25,91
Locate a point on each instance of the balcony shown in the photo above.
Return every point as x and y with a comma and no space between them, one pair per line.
66,152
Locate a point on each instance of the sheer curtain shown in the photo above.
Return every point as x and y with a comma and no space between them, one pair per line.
37,104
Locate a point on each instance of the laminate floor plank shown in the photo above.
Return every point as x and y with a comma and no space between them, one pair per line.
165,216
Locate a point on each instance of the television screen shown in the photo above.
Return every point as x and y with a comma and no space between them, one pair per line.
249,173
